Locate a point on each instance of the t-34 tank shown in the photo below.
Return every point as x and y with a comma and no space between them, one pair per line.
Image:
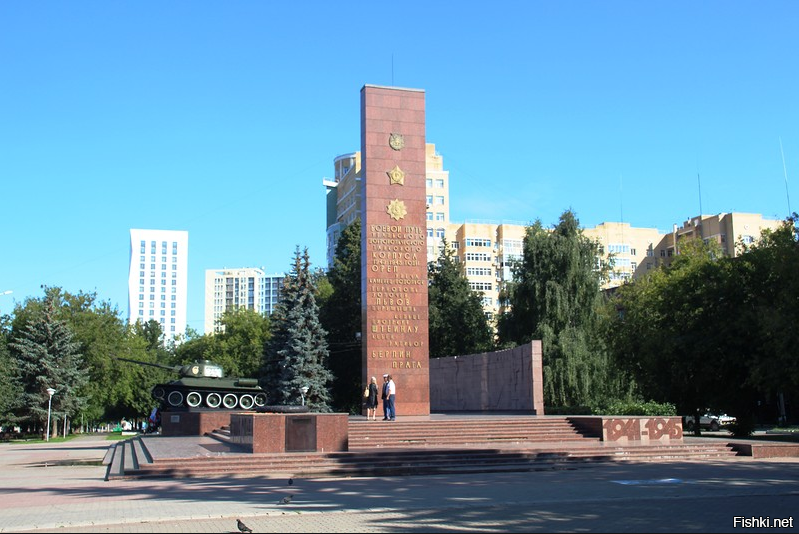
203,384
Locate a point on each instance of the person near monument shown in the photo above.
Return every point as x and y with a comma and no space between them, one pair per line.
371,400
392,393
384,397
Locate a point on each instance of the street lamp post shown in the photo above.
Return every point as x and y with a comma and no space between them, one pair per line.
50,391
303,391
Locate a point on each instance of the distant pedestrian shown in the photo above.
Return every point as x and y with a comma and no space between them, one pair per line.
371,400
392,394
384,396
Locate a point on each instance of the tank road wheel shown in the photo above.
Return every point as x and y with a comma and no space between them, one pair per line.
193,399
159,393
246,401
260,399
230,401
175,398
213,400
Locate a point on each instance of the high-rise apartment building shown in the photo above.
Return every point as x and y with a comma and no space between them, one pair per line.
247,287
158,278
344,199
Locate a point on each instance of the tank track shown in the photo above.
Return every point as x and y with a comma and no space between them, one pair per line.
222,399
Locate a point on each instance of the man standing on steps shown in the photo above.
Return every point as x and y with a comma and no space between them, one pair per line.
392,391
384,396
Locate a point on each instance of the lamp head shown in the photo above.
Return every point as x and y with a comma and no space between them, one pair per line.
304,389
50,391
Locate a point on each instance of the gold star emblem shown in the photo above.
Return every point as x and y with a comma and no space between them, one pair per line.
396,209
396,175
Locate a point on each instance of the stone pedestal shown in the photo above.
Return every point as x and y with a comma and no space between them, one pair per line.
624,429
194,423
281,433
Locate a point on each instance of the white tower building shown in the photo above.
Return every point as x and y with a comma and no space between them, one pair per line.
158,278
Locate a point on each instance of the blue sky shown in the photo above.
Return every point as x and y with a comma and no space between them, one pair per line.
222,118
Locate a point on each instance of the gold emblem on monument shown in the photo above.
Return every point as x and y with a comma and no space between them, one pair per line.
396,175
396,208
396,141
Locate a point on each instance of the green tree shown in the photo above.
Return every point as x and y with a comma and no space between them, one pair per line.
679,332
47,356
296,355
9,389
340,314
457,322
555,297
239,346
774,263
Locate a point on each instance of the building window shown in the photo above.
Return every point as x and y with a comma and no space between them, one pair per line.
440,183
430,215
632,252
478,256
439,216
478,242
663,253
429,199
439,233
440,201
480,286
428,183
429,232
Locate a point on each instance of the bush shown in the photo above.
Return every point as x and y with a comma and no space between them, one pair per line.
567,410
635,407
742,427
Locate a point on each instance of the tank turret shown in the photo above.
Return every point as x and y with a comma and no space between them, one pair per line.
203,384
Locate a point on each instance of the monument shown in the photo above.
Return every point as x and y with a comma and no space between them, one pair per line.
394,244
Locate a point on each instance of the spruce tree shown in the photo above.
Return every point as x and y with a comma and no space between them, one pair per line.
457,322
9,389
47,356
296,355
341,317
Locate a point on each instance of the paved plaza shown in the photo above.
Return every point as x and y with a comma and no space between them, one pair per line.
61,488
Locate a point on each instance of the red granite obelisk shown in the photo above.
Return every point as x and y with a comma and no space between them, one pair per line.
394,244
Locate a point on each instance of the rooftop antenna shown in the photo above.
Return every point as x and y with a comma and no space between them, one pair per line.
699,184
785,173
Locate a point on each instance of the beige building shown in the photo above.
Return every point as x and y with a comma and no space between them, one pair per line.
487,249
632,249
730,230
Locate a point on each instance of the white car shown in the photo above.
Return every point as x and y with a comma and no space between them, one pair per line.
710,421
